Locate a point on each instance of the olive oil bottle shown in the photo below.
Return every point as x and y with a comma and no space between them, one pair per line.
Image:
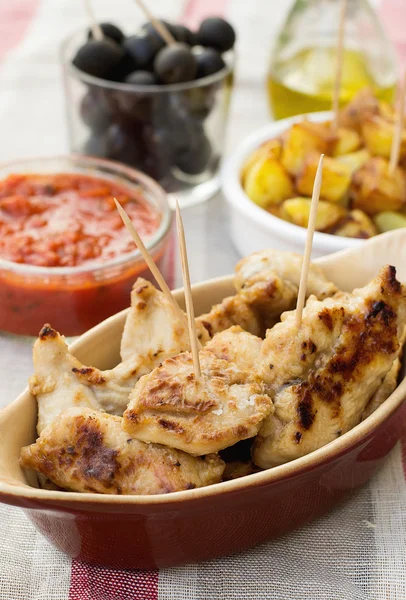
302,71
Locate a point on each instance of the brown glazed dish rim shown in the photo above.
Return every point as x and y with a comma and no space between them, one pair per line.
330,451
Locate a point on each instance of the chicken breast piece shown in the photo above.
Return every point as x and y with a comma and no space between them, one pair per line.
84,450
386,388
152,332
267,284
323,376
239,468
226,404
233,310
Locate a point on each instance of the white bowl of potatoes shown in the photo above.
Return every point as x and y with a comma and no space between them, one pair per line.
268,180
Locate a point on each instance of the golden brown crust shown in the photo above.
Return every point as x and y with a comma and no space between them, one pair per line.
363,106
374,188
324,375
227,404
267,284
152,332
233,310
88,451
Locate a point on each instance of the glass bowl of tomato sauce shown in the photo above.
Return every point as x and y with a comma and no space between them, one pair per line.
65,256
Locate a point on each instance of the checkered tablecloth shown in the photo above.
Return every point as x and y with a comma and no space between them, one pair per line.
357,552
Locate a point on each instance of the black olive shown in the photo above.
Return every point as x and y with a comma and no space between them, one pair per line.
175,64
183,34
196,158
199,101
209,61
96,145
98,57
94,113
150,30
141,78
135,106
109,30
142,49
122,144
216,33
159,146
126,66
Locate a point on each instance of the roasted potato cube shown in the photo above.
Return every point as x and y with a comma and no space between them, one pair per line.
274,209
297,211
363,105
271,148
336,178
378,136
387,111
388,220
268,183
355,160
356,224
348,141
374,189
303,138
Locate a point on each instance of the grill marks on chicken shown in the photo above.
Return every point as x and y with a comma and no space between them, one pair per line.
84,450
295,390
152,332
227,404
267,284
323,376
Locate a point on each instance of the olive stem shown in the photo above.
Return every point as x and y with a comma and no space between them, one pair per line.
397,135
97,31
309,243
339,64
157,25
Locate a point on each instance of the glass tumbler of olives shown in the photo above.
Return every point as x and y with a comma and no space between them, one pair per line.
174,132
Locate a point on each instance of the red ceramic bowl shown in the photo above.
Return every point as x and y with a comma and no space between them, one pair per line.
194,525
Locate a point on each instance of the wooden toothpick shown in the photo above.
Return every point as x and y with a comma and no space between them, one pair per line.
339,64
149,260
194,344
156,24
309,243
397,134
97,31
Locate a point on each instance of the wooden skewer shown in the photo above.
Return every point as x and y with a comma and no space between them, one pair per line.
309,243
194,345
397,135
157,25
339,64
149,260
97,31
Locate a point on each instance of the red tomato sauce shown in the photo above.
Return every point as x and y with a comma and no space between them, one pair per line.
69,220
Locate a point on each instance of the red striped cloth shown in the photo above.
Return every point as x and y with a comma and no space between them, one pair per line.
97,583
197,10
15,19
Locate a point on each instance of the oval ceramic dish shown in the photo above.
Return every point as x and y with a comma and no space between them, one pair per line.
252,227
194,525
